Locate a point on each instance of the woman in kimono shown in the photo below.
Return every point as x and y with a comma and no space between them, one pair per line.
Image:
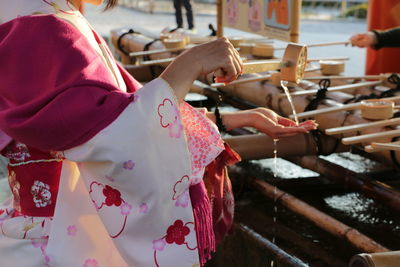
104,171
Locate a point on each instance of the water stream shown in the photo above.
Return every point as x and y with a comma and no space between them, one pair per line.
284,86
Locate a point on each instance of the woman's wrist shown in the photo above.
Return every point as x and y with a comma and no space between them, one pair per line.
180,75
233,120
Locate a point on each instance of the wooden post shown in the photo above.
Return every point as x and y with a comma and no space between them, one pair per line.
220,26
295,16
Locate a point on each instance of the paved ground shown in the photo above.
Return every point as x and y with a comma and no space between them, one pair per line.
311,31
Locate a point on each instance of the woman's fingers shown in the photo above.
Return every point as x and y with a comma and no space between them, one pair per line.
309,125
286,122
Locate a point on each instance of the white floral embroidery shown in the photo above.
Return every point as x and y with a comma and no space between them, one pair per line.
21,154
41,194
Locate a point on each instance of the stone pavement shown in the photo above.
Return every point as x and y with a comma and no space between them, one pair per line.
311,31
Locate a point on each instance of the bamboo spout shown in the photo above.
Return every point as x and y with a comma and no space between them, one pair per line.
383,259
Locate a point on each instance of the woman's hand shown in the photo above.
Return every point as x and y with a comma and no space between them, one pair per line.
363,39
218,56
266,121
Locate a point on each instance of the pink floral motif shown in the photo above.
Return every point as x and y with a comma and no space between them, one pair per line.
40,243
143,208
159,244
41,194
167,112
111,179
91,263
72,230
204,140
175,129
129,165
176,233
1,211
183,200
181,186
125,209
113,196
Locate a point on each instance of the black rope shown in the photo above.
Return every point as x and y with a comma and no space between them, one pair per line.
393,79
119,42
218,117
317,135
147,57
320,96
359,98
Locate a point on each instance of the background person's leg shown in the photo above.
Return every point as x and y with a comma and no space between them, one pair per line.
189,13
178,13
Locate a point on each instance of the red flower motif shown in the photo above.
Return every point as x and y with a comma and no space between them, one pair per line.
113,196
176,233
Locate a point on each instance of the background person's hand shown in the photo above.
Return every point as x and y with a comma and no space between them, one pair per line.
363,39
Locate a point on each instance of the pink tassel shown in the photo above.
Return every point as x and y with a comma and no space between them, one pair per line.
203,222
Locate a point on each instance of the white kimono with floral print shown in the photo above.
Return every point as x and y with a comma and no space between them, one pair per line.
123,197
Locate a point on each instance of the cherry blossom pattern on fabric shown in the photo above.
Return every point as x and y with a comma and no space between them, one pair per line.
41,194
203,138
129,165
90,263
183,200
105,197
41,243
175,235
181,187
169,118
72,230
143,208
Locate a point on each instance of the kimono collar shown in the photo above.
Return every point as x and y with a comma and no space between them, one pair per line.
10,10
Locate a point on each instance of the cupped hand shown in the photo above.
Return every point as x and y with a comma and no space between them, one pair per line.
363,39
270,123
